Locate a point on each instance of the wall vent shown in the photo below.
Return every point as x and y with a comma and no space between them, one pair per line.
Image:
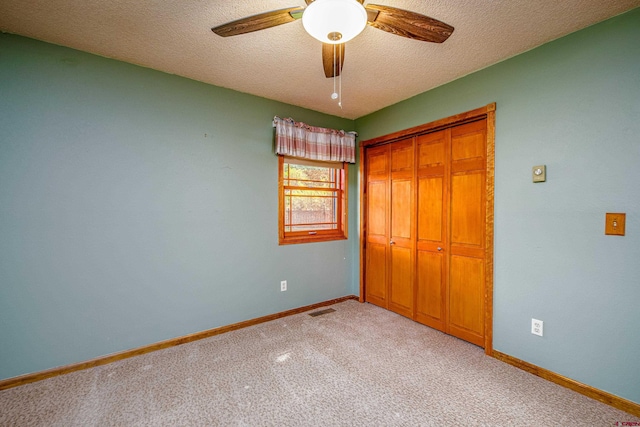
321,312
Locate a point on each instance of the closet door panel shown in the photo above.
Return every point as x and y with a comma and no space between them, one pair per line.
432,182
378,161
377,220
469,145
466,298
401,193
467,209
401,242
376,278
466,291
401,298
430,293
402,156
430,192
468,141
377,213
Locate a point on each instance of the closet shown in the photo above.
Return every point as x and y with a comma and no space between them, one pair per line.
427,224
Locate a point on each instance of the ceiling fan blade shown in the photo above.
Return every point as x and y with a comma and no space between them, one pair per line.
258,22
332,68
408,24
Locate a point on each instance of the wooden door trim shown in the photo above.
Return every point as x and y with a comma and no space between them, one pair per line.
363,184
488,112
488,263
469,116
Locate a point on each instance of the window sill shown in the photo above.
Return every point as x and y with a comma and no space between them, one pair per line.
292,240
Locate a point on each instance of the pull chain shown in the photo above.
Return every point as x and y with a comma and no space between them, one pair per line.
336,69
340,82
334,95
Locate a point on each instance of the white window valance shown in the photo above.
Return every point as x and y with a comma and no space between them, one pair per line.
298,139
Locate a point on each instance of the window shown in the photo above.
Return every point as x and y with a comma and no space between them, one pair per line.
313,200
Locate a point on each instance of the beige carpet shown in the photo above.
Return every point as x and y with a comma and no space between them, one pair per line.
357,366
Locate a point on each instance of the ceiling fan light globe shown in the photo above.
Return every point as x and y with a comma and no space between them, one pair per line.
322,19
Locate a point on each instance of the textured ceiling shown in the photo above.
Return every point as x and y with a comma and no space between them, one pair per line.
284,63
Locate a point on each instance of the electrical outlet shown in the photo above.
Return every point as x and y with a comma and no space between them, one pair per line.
283,286
536,326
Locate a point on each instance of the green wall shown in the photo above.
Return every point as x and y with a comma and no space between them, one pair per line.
136,206
574,105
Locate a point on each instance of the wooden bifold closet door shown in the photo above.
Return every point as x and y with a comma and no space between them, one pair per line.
390,238
427,227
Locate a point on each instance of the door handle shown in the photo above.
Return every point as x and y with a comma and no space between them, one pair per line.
392,242
439,248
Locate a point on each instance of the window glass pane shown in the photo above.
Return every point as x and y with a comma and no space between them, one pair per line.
311,197
313,201
310,176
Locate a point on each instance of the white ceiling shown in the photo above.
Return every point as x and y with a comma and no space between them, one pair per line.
284,63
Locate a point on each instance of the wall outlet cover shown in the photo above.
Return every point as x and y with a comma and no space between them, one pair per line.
537,327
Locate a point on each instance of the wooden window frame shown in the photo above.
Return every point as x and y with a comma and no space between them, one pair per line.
310,236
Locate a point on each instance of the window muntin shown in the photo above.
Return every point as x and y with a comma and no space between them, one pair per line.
312,200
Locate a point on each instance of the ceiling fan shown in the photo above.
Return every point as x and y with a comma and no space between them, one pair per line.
334,22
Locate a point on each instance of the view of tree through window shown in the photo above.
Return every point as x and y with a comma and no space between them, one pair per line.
313,199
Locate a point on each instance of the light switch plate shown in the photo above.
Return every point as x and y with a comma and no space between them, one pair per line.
614,224
539,173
